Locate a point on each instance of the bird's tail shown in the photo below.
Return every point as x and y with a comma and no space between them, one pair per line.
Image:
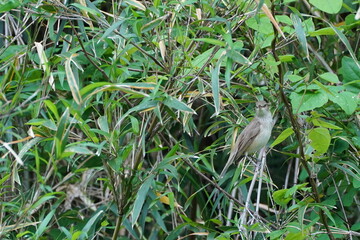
233,154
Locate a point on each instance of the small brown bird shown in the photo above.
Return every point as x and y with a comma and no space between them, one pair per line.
254,136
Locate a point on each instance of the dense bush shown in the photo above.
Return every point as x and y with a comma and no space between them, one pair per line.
117,118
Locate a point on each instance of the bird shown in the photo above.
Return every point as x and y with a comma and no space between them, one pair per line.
254,136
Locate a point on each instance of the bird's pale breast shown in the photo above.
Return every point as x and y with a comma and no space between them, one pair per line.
262,138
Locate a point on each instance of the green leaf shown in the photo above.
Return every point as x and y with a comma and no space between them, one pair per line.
229,63
83,150
294,78
136,4
111,29
348,168
103,124
347,44
44,223
262,25
87,9
215,85
321,123
286,58
328,31
8,5
351,74
140,198
211,41
92,222
72,81
284,135
279,197
135,125
300,33
346,100
330,77
151,25
36,121
327,6
199,61
92,86
53,108
296,235
307,101
356,227
320,139
43,199
176,104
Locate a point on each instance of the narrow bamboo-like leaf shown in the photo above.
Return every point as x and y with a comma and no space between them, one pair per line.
323,31
320,123
300,33
151,25
136,4
73,84
284,135
92,86
140,199
211,41
44,223
215,86
347,168
15,155
346,43
44,64
53,108
86,9
159,220
229,63
328,213
61,136
28,146
178,105
83,150
43,199
111,29
130,229
162,49
92,221
8,5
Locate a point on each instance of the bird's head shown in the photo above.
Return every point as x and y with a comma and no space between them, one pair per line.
262,109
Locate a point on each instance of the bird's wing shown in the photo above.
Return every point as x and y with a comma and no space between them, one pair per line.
247,137
243,141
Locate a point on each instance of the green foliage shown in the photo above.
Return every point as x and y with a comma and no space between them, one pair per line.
117,116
